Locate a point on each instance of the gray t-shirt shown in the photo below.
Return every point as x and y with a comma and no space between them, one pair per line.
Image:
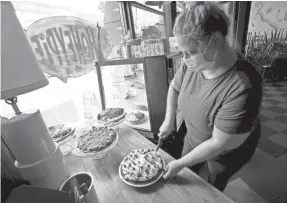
231,101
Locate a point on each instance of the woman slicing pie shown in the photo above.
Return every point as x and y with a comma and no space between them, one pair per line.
218,95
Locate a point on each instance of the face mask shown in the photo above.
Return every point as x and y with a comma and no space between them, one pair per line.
206,59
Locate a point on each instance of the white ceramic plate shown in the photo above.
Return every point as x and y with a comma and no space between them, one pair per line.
114,123
139,121
61,139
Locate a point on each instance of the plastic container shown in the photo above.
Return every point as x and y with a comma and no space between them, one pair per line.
48,173
28,138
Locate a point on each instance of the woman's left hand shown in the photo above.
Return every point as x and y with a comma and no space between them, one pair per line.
172,169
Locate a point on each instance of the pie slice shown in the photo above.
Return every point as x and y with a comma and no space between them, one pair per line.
60,132
142,166
111,114
96,139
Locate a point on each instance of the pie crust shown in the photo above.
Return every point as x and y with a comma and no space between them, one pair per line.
142,166
110,115
60,132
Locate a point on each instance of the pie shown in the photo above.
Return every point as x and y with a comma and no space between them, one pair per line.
111,114
60,132
96,139
142,166
135,116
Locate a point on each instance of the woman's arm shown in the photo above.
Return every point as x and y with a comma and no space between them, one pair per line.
211,148
220,142
171,105
168,125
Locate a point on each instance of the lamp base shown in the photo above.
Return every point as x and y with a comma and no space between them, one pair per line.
27,137
13,102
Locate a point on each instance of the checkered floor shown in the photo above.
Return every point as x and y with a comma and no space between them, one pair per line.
274,120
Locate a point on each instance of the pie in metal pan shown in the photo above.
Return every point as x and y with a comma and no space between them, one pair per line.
141,168
61,132
94,140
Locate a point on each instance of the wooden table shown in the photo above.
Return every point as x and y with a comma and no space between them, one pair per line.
186,187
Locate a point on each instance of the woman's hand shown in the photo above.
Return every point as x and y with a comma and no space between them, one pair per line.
172,169
166,129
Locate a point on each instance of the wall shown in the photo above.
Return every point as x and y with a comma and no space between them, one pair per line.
267,16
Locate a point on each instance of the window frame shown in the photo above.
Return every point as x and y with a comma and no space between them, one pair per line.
129,16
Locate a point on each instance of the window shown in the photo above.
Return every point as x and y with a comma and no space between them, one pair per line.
113,24
147,24
157,5
179,6
60,102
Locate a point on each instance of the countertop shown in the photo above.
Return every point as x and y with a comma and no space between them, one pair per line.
186,187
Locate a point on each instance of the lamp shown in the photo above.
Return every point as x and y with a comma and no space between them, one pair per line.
25,133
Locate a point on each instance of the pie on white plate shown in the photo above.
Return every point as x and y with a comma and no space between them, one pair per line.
135,116
60,132
141,167
111,115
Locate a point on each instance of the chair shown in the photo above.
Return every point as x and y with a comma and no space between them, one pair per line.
280,68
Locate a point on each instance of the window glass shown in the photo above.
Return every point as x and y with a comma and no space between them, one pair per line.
157,5
60,102
148,25
113,24
179,6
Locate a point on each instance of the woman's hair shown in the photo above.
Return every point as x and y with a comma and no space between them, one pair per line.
201,18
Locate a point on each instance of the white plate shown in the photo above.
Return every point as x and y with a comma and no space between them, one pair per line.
114,123
139,184
62,139
139,121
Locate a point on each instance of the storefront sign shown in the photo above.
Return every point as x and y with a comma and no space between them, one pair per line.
65,46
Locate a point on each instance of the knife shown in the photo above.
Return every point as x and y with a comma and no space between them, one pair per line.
160,141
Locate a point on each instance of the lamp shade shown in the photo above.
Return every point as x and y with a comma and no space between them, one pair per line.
20,71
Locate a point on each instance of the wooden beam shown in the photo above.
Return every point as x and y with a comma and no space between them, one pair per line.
169,16
121,62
